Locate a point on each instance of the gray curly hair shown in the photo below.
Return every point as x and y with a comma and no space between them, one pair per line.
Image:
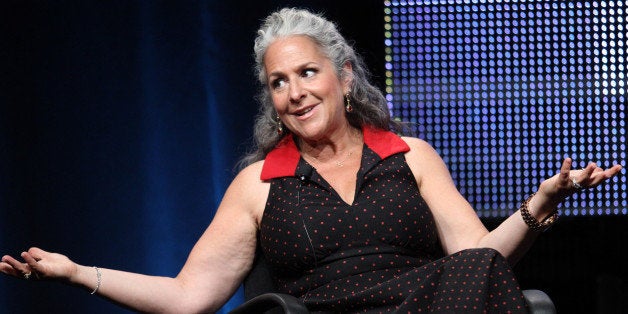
369,103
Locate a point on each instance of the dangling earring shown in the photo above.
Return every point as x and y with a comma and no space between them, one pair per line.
279,126
348,106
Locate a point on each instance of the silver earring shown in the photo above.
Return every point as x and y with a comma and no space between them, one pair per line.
348,106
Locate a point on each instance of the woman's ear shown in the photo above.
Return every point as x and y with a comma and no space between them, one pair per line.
347,77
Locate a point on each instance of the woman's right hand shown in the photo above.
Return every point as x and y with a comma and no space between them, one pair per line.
39,264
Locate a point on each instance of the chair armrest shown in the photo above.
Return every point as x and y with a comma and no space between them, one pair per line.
539,302
267,301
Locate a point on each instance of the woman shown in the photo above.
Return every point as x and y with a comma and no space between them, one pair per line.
350,216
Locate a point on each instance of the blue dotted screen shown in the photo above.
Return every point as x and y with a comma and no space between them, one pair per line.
505,90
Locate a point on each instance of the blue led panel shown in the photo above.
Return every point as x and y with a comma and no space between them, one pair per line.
505,90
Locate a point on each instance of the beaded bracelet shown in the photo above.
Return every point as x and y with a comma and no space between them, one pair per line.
98,279
532,223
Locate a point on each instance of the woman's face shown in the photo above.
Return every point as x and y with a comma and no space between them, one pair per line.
306,91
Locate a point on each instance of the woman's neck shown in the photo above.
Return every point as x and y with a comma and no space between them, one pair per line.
340,147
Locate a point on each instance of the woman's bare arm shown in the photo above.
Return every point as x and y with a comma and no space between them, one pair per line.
214,269
457,222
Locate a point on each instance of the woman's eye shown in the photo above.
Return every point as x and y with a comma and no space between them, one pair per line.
277,83
309,72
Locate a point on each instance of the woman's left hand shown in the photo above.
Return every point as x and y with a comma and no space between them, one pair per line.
568,181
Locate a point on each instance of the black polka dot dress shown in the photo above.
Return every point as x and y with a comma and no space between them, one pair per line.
380,254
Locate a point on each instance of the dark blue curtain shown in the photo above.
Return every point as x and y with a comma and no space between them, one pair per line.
121,122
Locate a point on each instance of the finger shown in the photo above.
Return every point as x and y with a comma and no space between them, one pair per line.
30,260
15,267
6,265
565,169
603,175
600,175
34,266
587,169
7,257
615,169
597,170
7,269
585,174
37,253
12,261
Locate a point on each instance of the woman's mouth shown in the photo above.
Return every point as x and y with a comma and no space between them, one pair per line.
305,113
301,113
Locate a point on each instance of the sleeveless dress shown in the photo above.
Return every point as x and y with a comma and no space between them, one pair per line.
379,254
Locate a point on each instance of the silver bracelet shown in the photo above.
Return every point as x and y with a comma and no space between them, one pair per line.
98,279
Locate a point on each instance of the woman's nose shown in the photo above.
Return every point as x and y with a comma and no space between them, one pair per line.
297,92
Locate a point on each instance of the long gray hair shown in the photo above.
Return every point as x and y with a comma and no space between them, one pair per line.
369,104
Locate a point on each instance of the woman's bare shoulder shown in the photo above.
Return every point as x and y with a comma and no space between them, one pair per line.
248,179
424,160
249,190
251,172
419,147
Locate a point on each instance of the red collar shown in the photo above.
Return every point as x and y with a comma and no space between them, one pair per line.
282,161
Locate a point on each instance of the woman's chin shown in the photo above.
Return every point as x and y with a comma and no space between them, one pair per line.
310,134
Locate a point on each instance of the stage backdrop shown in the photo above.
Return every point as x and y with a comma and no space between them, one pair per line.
121,125
121,122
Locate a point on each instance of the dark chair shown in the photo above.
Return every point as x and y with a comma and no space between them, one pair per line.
259,298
